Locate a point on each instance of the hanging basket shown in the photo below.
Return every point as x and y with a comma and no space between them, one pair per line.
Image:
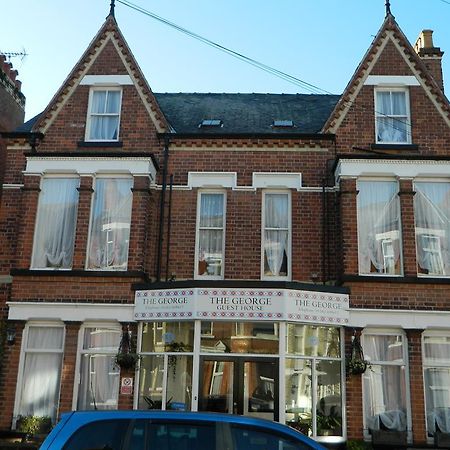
356,364
126,358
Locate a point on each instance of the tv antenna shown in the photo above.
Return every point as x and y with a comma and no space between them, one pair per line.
10,55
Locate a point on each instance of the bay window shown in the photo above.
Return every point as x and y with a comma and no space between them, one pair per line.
385,383
210,235
99,375
379,225
276,235
432,224
392,120
55,224
103,114
436,365
110,224
42,353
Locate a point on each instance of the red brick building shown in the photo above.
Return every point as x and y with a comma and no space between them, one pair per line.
257,247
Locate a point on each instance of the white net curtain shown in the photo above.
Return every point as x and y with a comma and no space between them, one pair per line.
41,372
210,236
437,382
105,109
432,218
276,234
110,224
56,223
392,117
99,375
384,383
379,228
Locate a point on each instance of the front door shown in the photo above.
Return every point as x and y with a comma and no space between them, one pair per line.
239,385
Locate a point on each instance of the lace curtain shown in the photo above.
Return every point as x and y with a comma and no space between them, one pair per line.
41,372
392,117
432,217
105,108
99,376
56,223
384,384
110,224
276,233
378,227
210,236
437,382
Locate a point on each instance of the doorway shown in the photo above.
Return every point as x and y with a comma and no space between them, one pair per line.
239,385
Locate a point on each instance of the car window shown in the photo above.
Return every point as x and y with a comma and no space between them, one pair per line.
99,435
181,436
250,438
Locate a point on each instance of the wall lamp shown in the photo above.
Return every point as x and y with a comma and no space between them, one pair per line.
11,334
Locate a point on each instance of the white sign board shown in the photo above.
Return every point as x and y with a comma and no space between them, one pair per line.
242,304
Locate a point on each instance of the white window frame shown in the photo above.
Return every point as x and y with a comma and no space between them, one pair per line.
377,113
386,238
201,192
90,114
86,264
429,365
24,351
289,244
80,352
404,363
427,232
63,176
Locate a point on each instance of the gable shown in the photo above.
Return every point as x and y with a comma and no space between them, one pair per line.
389,55
108,54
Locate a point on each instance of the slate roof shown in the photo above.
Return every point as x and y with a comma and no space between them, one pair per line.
240,113
246,113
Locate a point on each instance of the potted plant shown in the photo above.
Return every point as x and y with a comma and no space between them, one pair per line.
126,357
33,425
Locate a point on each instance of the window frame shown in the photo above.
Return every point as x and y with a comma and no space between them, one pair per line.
90,114
429,365
201,192
36,222
81,352
400,229
425,233
22,359
288,276
378,113
107,176
404,363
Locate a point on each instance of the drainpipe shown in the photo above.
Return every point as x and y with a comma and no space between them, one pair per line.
324,233
169,226
161,208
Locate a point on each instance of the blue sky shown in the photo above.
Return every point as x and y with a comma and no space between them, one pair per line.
319,41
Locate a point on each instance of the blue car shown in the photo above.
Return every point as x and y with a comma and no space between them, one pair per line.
171,430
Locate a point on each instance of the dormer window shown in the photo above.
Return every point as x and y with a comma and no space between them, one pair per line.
392,118
104,114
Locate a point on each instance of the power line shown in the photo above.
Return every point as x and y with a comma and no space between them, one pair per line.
269,69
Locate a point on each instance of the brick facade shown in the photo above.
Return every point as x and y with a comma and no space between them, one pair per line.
324,252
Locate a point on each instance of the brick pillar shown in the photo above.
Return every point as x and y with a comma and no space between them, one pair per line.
68,377
82,231
416,387
139,220
126,400
349,226
9,370
354,407
30,193
406,194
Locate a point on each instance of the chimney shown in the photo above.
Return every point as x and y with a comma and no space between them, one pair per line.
430,55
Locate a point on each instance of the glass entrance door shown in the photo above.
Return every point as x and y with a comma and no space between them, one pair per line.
239,385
